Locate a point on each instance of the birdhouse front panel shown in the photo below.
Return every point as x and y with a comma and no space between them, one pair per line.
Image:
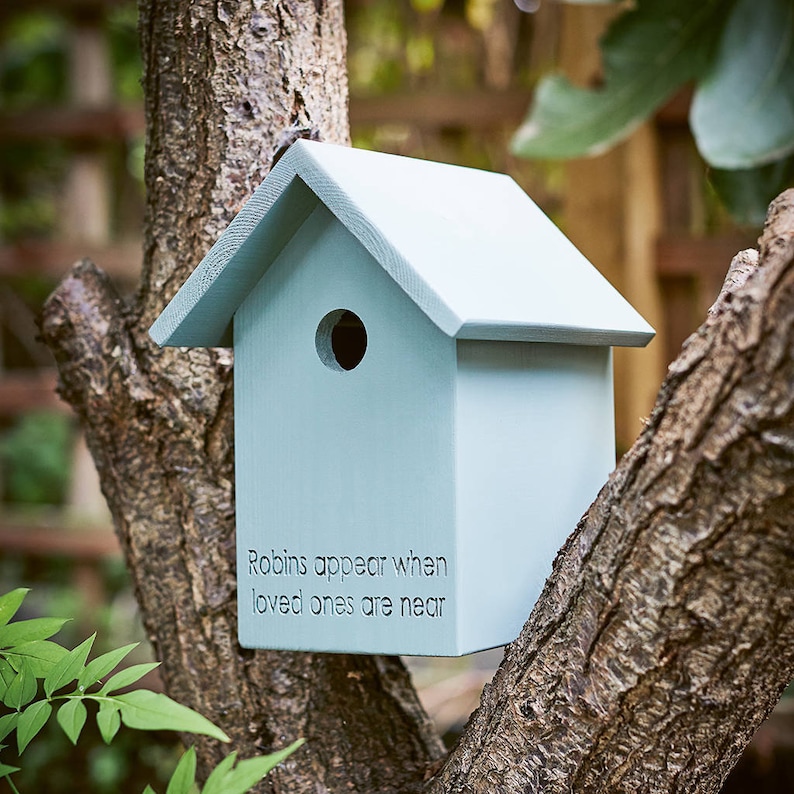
344,414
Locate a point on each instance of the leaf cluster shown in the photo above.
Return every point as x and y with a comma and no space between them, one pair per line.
229,777
39,677
739,54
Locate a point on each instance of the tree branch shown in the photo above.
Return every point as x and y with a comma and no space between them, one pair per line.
224,83
664,635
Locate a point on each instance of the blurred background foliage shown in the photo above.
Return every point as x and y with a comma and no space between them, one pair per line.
35,452
34,53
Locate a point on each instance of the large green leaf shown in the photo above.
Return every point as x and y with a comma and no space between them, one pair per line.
743,111
98,668
10,603
7,675
184,777
747,192
7,724
246,774
31,721
40,655
648,53
68,668
228,778
153,711
21,690
108,720
71,717
127,676
6,770
217,779
29,630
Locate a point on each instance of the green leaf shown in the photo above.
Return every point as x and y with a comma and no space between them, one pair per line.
6,770
10,603
648,52
149,790
126,677
28,630
31,721
217,779
102,665
274,759
7,724
7,675
227,780
249,772
153,711
742,113
245,775
184,776
68,668
71,717
108,720
21,690
747,192
40,655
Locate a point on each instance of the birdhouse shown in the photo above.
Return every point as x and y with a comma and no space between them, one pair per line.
423,399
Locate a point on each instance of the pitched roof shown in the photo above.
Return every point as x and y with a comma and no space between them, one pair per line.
469,247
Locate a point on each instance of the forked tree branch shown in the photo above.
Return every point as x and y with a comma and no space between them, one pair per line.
665,634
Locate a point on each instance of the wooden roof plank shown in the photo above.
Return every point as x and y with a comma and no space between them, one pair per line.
469,247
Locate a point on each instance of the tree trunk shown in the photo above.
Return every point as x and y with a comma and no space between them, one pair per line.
664,634
227,85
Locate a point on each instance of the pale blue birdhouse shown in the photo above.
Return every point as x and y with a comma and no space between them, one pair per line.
423,399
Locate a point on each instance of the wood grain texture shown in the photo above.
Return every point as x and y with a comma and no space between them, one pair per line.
333,463
534,442
479,454
469,247
665,634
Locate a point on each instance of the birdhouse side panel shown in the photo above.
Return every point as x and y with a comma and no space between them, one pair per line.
344,410
535,442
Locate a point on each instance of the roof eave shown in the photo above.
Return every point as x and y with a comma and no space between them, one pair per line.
520,332
201,312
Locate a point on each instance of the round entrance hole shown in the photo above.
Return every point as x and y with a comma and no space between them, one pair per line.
341,340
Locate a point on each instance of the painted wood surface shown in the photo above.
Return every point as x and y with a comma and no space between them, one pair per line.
411,445
534,442
337,467
414,503
469,247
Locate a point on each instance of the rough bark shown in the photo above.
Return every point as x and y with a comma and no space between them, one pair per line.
665,634
227,85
